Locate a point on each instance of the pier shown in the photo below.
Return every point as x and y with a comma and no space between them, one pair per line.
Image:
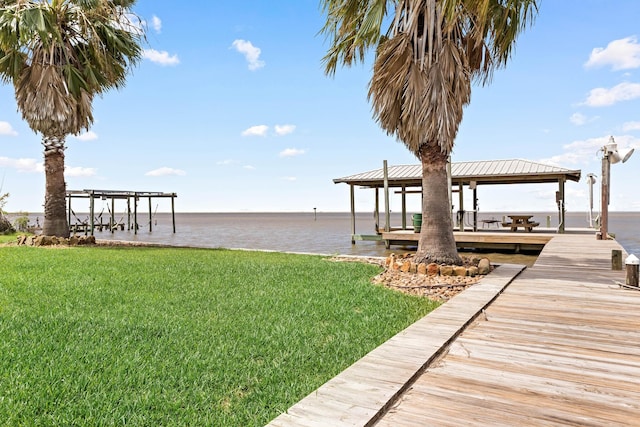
554,344
109,197
484,240
407,179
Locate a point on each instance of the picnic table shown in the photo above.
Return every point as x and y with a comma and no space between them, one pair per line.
523,221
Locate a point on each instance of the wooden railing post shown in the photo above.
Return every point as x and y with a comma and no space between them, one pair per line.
616,259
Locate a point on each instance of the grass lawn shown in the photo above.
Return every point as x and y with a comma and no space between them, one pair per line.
169,336
4,238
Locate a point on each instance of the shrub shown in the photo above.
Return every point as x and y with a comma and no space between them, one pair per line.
5,225
22,222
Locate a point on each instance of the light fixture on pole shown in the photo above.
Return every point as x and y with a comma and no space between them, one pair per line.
591,179
610,156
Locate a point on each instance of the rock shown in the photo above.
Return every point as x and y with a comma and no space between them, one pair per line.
422,268
433,269
391,259
42,241
446,270
87,240
459,270
406,276
484,266
406,266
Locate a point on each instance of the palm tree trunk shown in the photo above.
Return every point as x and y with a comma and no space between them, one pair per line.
437,243
55,208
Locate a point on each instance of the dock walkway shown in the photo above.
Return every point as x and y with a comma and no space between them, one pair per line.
557,345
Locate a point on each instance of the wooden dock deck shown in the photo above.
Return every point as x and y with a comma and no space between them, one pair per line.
496,240
557,345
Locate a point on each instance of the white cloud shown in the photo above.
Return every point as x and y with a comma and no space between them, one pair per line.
165,171
249,167
282,130
133,23
621,54
602,97
87,136
578,152
160,57
225,162
290,178
628,126
563,160
250,52
291,152
588,150
578,119
156,24
34,166
80,171
7,130
260,130
22,165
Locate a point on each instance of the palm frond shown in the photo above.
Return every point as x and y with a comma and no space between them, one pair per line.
353,27
422,74
60,54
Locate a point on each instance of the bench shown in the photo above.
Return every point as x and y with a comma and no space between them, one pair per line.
525,225
489,222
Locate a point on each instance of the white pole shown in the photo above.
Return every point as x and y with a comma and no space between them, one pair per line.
387,216
604,196
591,180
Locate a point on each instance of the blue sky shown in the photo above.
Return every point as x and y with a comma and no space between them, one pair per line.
231,110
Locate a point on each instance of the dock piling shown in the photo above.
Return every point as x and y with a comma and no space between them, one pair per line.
616,259
633,266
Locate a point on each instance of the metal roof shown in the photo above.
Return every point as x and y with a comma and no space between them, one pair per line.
514,171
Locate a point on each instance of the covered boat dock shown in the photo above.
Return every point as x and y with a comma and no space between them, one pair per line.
408,179
110,196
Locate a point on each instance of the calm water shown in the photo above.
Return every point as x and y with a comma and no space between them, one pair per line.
324,233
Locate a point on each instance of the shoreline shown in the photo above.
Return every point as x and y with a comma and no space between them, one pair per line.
323,233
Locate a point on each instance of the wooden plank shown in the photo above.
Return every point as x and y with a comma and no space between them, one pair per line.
559,346
476,237
520,389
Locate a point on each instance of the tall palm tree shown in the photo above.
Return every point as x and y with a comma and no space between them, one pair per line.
424,66
60,54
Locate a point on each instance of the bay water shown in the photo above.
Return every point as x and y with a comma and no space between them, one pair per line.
308,232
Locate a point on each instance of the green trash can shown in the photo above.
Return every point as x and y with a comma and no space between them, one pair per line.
417,222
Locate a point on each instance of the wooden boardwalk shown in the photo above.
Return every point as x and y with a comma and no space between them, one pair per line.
497,240
559,345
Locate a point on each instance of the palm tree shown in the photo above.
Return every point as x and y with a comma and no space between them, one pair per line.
424,66
60,54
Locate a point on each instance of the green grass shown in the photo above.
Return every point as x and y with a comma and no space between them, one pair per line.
166,336
4,238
